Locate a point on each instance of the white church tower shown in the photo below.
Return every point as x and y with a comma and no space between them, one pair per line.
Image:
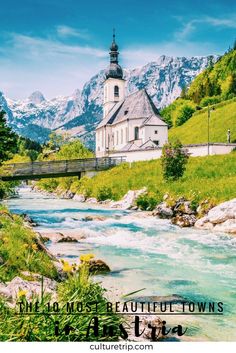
130,123
114,85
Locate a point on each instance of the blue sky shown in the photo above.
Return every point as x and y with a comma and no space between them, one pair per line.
55,46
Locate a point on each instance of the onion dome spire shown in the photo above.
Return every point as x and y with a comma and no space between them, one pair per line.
114,70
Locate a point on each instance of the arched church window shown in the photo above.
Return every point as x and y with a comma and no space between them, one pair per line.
116,91
136,133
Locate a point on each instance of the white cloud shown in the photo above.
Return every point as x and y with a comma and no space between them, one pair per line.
222,22
66,31
45,46
55,67
29,63
190,26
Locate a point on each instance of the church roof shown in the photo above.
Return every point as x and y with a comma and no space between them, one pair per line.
133,146
137,105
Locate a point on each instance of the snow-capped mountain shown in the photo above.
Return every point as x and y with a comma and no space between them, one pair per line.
79,113
49,114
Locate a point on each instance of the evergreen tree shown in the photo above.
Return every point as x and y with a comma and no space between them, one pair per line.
184,93
234,47
211,63
8,139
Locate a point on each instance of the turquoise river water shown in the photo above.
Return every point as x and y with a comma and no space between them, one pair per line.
144,252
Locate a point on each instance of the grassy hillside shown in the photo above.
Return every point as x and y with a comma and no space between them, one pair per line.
216,84
212,177
195,129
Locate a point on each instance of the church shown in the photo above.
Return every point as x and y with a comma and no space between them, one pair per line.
129,123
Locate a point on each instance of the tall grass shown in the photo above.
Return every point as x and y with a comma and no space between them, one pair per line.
195,129
19,250
71,326
205,177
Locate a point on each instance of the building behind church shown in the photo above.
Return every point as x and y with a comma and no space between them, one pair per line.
130,123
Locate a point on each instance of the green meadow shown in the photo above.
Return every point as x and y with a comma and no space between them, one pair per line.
211,177
195,130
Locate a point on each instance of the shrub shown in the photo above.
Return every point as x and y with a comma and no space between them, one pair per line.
210,100
185,114
104,193
148,201
173,160
49,185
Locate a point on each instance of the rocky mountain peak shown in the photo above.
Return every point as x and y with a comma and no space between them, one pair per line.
79,113
36,97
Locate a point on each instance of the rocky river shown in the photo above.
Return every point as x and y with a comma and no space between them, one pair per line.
147,253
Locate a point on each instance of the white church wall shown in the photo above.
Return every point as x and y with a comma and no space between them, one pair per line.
134,156
194,150
110,99
156,133
120,132
132,124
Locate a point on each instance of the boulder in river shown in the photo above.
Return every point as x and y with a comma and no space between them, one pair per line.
92,200
93,218
220,218
27,219
98,266
67,239
185,220
128,201
163,211
79,198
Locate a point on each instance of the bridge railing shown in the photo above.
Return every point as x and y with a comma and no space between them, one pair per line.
59,166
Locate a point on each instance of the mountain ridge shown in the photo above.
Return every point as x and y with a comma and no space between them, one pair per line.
79,113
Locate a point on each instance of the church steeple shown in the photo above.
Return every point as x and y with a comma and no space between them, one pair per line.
114,70
114,84
114,50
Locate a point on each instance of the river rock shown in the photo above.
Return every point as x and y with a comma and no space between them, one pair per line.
220,218
185,220
222,212
67,195
98,266
52,236
67,239
174,299
228,226
105,202
28,220
11,289
58,237
79,198
128,201
163,211
93,218
183,207
92,200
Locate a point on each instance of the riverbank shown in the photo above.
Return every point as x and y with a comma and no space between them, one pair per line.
210,178
145,253
29,272
180,211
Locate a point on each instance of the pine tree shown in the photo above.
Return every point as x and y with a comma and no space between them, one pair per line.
211,63
184,93
234,47
8,139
